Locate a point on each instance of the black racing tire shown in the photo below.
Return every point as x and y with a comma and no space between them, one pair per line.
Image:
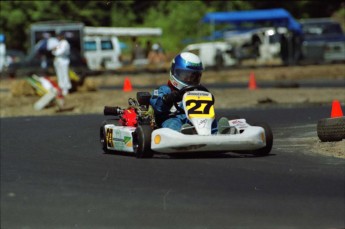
142,141
102,134
269,140
331,129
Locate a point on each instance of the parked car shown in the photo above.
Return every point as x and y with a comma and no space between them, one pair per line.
102,52
262,44
323,40
11,56
213,54
32,64
14,56
40,59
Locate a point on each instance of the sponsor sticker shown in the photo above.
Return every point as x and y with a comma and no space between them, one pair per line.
128,141
202,123
109,138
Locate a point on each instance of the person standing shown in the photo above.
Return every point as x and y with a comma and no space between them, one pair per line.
61,63
2,52
156,57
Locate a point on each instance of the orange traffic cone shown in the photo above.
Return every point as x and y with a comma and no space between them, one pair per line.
252,82
336,109
127,86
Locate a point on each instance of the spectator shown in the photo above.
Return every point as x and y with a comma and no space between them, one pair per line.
61,63
137,52
160,48
44,53
2,52
284,52
138,55
156,55
148,48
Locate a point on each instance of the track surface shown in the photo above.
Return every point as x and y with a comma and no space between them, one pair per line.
54,175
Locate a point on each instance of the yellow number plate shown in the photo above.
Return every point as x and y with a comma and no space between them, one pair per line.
199,106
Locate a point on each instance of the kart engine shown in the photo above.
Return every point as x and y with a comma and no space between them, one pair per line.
129,117
134,115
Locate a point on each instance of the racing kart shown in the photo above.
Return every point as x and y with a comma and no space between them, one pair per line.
134,129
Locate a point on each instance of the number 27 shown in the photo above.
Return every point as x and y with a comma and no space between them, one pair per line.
198,103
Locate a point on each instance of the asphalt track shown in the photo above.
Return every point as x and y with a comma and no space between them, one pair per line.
54,175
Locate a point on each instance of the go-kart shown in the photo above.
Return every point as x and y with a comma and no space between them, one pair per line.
134,129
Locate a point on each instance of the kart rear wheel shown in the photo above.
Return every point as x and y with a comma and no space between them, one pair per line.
142,141
103,135
269,140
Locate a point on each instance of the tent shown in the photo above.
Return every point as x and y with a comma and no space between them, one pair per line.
278,17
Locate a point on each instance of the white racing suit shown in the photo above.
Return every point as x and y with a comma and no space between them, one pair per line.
61,63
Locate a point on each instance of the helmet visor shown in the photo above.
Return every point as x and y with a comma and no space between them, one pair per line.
189,77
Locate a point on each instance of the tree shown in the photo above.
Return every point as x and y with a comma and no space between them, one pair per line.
17,16
121,14
178,21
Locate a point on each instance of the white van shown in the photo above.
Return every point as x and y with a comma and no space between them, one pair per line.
102,52
102,47
213,54
262,44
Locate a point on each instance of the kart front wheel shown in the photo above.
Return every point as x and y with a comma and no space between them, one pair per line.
142,141
269,140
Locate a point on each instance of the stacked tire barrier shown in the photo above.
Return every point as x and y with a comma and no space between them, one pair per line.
332,129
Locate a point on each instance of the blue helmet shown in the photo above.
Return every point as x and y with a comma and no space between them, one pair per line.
186,69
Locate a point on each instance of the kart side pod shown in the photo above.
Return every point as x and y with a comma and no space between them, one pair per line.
165,140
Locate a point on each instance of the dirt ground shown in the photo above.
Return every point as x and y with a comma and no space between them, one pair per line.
17,97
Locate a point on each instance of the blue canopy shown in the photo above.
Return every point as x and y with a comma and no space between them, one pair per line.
278,17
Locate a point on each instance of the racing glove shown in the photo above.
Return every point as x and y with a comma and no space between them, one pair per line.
170,99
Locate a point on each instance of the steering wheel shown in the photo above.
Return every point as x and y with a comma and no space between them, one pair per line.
192,88
189,88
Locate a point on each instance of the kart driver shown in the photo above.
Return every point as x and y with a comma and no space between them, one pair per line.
186,69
